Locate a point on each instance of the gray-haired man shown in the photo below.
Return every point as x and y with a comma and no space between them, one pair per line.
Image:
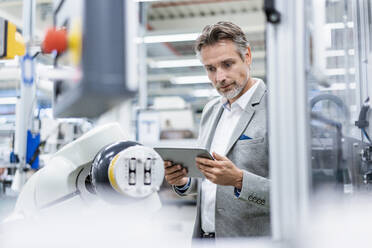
233,200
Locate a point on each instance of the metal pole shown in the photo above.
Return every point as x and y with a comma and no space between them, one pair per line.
143,87
26,101
288,121
29,10
349,96
361,49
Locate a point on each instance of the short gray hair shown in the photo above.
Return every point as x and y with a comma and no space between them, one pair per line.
214,33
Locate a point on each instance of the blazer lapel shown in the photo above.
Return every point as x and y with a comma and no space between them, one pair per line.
247,115
217,112
240,127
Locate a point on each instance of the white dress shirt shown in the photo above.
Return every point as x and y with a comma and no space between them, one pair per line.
225,127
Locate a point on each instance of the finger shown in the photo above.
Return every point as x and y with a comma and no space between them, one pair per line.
208,169
210,163
205,161
167,163
176,174
175,180
202,166
219,157
172,169
210,176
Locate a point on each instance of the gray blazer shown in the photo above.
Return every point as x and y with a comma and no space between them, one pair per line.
248,215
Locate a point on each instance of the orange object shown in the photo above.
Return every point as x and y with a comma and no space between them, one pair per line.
55,39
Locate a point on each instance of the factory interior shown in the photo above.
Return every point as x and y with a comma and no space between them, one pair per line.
92,90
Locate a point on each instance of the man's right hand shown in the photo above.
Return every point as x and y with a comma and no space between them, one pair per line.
175,174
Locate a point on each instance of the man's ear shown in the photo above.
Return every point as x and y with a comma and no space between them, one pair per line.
248,56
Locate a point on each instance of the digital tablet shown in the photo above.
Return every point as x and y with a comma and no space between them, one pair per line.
185,157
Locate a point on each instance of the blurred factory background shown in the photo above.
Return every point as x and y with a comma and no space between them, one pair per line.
133,62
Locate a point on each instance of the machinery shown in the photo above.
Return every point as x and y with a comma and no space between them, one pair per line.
92,46
366,152
100,174
100,167
11,42
335,161
95,56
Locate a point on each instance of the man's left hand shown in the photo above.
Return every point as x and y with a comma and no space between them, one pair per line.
220,171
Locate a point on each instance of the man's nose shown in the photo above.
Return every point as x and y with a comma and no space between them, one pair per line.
220,75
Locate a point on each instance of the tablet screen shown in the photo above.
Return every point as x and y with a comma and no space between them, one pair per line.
185,157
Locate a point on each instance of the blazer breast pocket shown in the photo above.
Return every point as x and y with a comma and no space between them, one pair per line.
250,141
251,155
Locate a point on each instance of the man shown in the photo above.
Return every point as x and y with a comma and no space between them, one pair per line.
233,200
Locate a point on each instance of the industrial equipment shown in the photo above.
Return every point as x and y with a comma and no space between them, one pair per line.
101,166
11,41
335,163
95,46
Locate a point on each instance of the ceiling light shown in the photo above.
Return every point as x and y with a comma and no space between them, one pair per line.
339,86
189,36
334,53
339,25
339,71
170,38
8,100
174,63
190,80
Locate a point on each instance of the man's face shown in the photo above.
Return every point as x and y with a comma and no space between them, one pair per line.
228,72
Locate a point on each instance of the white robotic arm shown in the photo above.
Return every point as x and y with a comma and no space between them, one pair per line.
100,165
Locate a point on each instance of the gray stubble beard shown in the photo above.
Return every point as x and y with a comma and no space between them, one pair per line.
233,92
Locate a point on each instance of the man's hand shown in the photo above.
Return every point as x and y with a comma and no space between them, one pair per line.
175,174
220,171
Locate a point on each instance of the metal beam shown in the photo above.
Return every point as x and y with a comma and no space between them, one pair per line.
288,121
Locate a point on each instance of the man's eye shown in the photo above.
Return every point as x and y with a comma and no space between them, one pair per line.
211,69
227,64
